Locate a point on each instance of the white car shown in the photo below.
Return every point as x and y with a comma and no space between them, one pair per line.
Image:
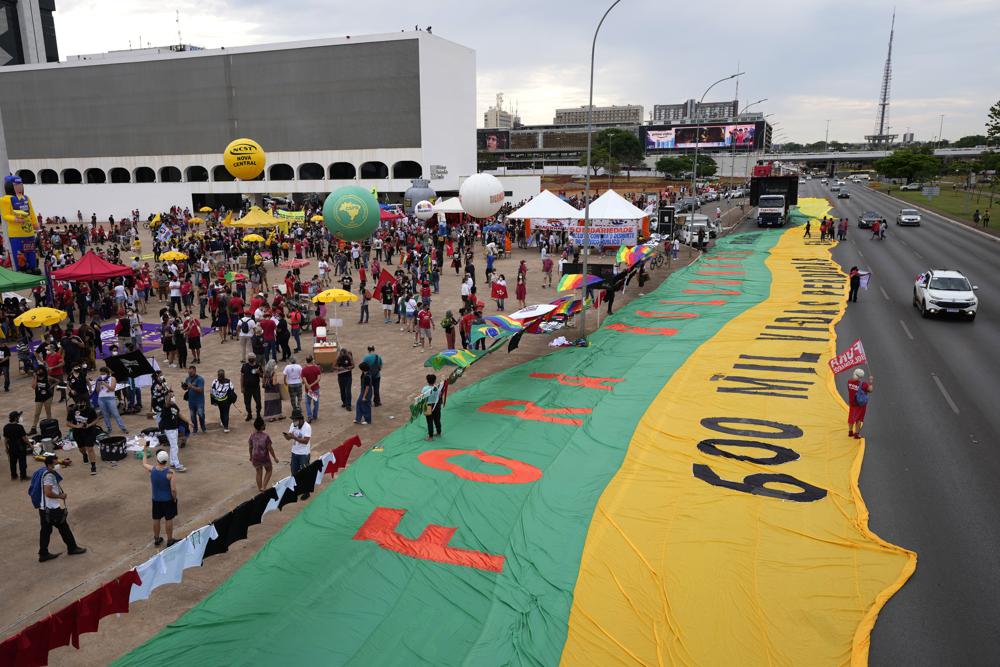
908,216
940,291
824,181
841,182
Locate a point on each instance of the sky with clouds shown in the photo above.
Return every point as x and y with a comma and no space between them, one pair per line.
812,60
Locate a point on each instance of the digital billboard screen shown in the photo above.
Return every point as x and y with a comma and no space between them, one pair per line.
742,135
493,140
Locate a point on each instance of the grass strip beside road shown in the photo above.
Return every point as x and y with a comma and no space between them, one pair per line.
956,204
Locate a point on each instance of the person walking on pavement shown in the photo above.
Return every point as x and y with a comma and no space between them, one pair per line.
41,383
311,373
858,392
261,453
293,380
855,278
808,234
345,376
51,505
194,389
250,373
300,434
171,417
245,327
222,393
164,484
16,443
986,219
107,401
363,407
975,218
81,420
432,411
374,371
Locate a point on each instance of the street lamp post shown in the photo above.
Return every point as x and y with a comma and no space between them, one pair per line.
732,161
697,129
586,196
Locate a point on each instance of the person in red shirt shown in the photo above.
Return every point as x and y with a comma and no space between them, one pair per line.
425,326
425,294
269,326
295,327
192,330
465,326
310,385
289,284
858,406
316,322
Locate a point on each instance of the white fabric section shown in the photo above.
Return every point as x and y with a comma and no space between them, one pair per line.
280,487
147,574
167,567
323,460
196,543
612,206
546,205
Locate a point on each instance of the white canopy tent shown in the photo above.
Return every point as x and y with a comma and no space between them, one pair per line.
546,205
612,206
452,205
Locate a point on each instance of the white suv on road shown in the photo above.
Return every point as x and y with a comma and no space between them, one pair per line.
939,291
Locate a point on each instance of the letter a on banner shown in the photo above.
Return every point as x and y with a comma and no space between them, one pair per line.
849,358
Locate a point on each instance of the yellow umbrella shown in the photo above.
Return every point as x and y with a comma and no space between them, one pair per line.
196,220
40,317
334,296
172,255
317,218
256,238
205,209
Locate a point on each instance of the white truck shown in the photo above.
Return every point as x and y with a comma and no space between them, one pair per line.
771,211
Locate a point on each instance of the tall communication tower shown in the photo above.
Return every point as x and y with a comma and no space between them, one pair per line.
882,138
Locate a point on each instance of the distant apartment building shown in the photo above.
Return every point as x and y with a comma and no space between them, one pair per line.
692,110
630,113
498,118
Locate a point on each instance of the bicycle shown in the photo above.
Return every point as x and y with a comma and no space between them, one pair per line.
656,262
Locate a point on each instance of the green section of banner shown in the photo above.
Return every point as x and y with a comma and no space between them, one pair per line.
315,593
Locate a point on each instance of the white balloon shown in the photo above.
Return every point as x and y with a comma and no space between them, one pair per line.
481,195
423,210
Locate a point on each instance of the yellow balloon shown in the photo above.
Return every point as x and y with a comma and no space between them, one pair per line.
244,159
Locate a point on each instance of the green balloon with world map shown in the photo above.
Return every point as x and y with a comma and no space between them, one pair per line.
351,213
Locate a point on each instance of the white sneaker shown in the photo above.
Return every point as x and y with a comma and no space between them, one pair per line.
180,468
225,430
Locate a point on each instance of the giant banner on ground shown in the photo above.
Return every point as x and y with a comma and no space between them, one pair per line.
564,517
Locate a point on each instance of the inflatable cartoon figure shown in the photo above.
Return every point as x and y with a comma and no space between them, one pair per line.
20,224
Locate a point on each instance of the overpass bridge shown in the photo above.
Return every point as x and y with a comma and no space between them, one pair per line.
867,155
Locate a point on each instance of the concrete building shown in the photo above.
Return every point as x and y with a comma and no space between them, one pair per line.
498,118
27,32
630,113
147,130
691,111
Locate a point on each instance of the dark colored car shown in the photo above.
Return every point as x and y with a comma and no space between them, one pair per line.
843,194
866,219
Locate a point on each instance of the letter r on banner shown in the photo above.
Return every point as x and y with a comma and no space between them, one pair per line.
380,528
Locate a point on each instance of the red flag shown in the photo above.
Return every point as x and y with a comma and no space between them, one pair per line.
383,278
849,358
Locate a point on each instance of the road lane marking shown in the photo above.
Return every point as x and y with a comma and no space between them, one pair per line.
861,253
884,293
906,329
944,392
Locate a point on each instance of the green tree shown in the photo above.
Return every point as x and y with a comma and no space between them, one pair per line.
792,147
993,123
673,165
621,147
706,166
909,163
970,141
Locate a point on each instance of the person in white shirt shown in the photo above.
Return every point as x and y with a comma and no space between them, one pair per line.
244,328
324,268
300,434
175,293
293,378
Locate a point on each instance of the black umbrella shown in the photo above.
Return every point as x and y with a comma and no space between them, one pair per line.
131,365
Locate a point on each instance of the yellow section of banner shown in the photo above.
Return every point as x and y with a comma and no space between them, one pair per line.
734,532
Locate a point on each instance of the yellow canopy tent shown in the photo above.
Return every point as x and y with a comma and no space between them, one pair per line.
255,219
205,209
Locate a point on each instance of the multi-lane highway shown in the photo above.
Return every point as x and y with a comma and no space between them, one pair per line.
931,475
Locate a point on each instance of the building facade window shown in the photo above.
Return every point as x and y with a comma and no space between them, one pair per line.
94,175
27,176
374,170
144,175
310,171
281,172
48,176
170,175
120,175
71,176
407,169
343,171
196,174
221,175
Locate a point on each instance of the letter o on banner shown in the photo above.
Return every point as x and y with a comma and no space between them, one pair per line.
520,472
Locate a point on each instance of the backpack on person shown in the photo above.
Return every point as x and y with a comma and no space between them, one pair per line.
861,397
35,486
245,326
